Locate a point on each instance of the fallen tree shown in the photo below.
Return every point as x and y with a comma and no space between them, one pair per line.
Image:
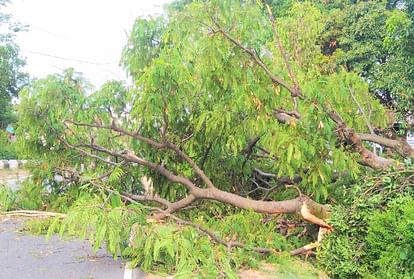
243,112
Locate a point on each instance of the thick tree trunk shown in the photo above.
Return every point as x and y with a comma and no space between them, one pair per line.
303,205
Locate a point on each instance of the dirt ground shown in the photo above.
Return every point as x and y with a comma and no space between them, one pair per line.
12,173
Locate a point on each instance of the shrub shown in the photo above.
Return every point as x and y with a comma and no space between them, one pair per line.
7,198
7,149
390,239
30,196
374,229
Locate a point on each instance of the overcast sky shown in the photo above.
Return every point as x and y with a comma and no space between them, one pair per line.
87,35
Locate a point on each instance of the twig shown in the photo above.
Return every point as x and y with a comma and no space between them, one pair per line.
285,57
214,236
371,130
252,53
305,249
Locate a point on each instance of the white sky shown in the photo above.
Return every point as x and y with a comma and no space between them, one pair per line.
87,35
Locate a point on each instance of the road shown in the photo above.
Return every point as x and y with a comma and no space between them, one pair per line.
33,257
13,178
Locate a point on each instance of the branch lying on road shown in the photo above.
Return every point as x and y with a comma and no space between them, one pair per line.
303,205
308,209
32,214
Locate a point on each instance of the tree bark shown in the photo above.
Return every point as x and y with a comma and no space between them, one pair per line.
399,145
368,157
303,205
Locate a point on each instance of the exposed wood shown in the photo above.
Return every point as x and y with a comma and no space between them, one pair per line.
310,212
305,249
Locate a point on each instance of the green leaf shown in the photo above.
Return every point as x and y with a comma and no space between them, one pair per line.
289,153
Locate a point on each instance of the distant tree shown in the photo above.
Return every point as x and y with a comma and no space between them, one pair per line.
12,78
374,38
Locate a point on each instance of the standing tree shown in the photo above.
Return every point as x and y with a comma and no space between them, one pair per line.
12,79
374,38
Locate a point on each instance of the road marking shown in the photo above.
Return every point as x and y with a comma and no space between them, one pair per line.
127,273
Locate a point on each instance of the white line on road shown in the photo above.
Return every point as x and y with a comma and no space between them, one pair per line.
127,273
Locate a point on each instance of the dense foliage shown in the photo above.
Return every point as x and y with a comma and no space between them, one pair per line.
12,77
373,235
239,111
7,149
374,38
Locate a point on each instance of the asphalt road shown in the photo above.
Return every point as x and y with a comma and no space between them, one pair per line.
33,257
26,256
12,180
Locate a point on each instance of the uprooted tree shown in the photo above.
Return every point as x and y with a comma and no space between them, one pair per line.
229,104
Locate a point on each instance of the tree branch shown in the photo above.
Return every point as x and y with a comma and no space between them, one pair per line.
285,57
155,144
400,146
259,62
371,130
303,205
368,158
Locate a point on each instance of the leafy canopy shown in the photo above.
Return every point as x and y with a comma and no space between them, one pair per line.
12,77
214,92
196,88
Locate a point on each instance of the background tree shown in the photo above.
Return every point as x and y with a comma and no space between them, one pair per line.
374,39
12,78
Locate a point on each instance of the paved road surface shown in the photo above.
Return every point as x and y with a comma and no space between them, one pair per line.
25,256
12,180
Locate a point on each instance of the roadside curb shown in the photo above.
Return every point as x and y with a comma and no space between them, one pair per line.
12,164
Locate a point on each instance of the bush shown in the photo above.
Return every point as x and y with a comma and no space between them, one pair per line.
7,198
7,149
390,239
374,229
30,196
